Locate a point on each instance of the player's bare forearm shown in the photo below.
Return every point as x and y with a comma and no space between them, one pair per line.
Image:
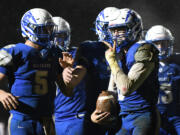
78,74
67,91
70,78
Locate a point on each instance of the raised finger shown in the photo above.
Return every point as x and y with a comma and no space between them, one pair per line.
114,46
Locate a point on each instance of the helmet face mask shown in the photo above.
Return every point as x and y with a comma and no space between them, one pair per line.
44,33
37,26
164,49
61,33
131,22
102,21
60,39
119,34
163,40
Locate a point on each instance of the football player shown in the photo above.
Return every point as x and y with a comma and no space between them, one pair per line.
31,76
134,69
69,111
98,71
96,80
169,79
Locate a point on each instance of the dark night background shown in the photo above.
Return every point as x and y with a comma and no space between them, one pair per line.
81,15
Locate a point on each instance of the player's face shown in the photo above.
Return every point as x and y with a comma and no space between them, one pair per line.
162,46
119,34
60,38
43,31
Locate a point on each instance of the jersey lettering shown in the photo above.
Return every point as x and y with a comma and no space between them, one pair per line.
41,87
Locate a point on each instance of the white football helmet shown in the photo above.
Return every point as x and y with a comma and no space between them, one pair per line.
160,33
131,22
101,23
37,26
62,33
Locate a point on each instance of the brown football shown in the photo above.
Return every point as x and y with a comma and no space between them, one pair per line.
106,102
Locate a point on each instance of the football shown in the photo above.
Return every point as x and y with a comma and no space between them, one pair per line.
106,102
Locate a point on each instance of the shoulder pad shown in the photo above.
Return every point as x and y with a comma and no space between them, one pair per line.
146,52
5,57
148,46
142,42
9,46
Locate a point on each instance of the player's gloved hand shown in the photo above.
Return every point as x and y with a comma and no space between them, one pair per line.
67,60
110,55
100,117
8,100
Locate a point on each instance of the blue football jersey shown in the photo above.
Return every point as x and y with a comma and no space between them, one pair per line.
169,94
145,97
98,71
34,73
69,107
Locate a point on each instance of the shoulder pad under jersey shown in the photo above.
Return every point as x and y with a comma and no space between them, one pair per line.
5,56
146,52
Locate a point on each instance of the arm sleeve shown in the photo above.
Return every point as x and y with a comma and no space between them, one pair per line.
144,65
112,85
6,58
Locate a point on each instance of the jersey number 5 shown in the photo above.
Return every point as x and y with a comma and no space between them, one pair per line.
41,86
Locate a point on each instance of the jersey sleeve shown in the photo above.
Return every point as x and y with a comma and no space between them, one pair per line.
6,58
145,59
146,53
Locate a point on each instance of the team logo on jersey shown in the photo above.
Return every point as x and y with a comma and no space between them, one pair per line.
160,70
